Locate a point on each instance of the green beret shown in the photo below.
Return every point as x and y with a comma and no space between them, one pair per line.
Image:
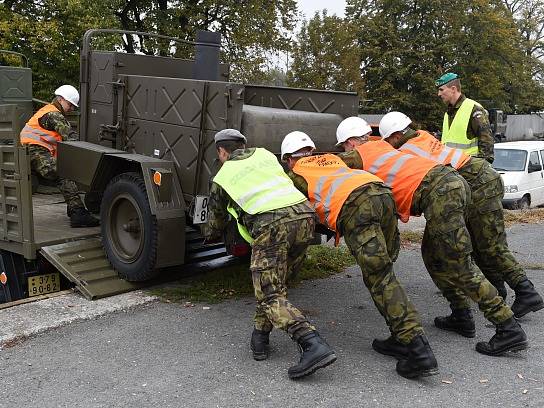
444,79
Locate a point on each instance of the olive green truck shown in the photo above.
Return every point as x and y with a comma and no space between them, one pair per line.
145,160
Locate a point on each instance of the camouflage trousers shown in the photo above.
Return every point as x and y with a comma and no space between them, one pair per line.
370,229
447,247
45,165
278,253
485,222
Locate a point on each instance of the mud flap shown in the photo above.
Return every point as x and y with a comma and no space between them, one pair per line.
84,263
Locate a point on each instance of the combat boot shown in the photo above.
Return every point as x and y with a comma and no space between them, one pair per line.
391,347
509,336
80,217
315,353
460,321
421,361
527,299
259,344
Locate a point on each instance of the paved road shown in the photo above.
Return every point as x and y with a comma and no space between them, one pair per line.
166,355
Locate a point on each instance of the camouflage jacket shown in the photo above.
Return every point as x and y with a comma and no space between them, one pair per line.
57,122
219,216
478,128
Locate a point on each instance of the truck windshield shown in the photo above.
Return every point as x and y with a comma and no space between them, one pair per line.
510,160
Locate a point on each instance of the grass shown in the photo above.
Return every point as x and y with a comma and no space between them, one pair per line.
409,238
233,282
533,266
532,216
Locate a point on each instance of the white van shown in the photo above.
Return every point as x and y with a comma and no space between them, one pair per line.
520,165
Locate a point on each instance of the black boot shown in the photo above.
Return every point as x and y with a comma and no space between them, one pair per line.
391,347
80,217
420,362
527,299
501,289
315,353
509,337
259,344
460,321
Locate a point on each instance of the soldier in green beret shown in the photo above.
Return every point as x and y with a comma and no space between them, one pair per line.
466,122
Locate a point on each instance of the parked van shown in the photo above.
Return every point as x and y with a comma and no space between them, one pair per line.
520,165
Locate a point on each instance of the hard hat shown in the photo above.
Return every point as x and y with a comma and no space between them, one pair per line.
444,79
69,93
351,127
229,134
393,122
295,141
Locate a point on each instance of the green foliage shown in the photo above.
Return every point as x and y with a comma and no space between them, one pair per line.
326,55
235,281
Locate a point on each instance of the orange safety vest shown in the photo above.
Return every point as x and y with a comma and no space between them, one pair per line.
426,145
400,171
330,182
33,133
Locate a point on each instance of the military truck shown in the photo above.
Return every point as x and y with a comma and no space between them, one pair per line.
145,160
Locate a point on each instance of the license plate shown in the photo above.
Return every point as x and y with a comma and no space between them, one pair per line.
200,216
42,284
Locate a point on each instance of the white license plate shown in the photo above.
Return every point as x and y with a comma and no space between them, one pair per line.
42,284
200,215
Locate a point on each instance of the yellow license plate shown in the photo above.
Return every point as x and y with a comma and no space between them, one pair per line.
42,284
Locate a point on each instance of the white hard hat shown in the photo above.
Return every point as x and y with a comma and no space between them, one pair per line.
69,93
393,122
295,141
351,127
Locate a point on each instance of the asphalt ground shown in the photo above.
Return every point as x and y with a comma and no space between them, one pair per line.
168,355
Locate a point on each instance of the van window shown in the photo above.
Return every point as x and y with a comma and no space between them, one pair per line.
510,160
534,161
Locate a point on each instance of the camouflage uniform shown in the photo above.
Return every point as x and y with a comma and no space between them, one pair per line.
478,127
45,165
368,222
446,248
278,250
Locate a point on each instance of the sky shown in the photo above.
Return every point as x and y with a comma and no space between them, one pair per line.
309,7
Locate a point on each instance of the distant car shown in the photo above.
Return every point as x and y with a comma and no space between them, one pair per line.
520,166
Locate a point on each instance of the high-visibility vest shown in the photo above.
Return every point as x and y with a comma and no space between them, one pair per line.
330,182
401,171
33,133
257,184
456,135
426,145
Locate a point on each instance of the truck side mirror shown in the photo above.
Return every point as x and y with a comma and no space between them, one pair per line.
534,167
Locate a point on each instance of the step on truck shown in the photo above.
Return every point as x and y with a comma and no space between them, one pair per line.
145,160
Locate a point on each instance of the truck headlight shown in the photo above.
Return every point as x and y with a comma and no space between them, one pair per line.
511,189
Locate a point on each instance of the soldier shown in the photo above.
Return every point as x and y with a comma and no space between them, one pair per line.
466,122
422,186
485,220
356,204
41,134
275,218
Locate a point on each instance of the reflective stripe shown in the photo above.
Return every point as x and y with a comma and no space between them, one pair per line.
395,169
462,145
334,186
456,158
444,154
416,150
381,160
32,132
264,186
321,181
282,192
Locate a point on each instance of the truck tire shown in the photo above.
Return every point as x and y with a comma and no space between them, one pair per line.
92,201
129,230
524,203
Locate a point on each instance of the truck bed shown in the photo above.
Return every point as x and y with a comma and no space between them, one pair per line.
51,224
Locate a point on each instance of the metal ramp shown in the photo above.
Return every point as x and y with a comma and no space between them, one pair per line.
84,263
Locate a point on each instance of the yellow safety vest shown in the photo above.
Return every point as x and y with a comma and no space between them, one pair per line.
257,184
455,136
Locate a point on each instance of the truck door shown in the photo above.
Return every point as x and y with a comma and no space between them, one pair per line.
535,178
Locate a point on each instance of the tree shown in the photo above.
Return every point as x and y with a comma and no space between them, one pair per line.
326,55
405,45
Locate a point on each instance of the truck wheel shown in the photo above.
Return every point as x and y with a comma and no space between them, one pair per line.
129,230
92,201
